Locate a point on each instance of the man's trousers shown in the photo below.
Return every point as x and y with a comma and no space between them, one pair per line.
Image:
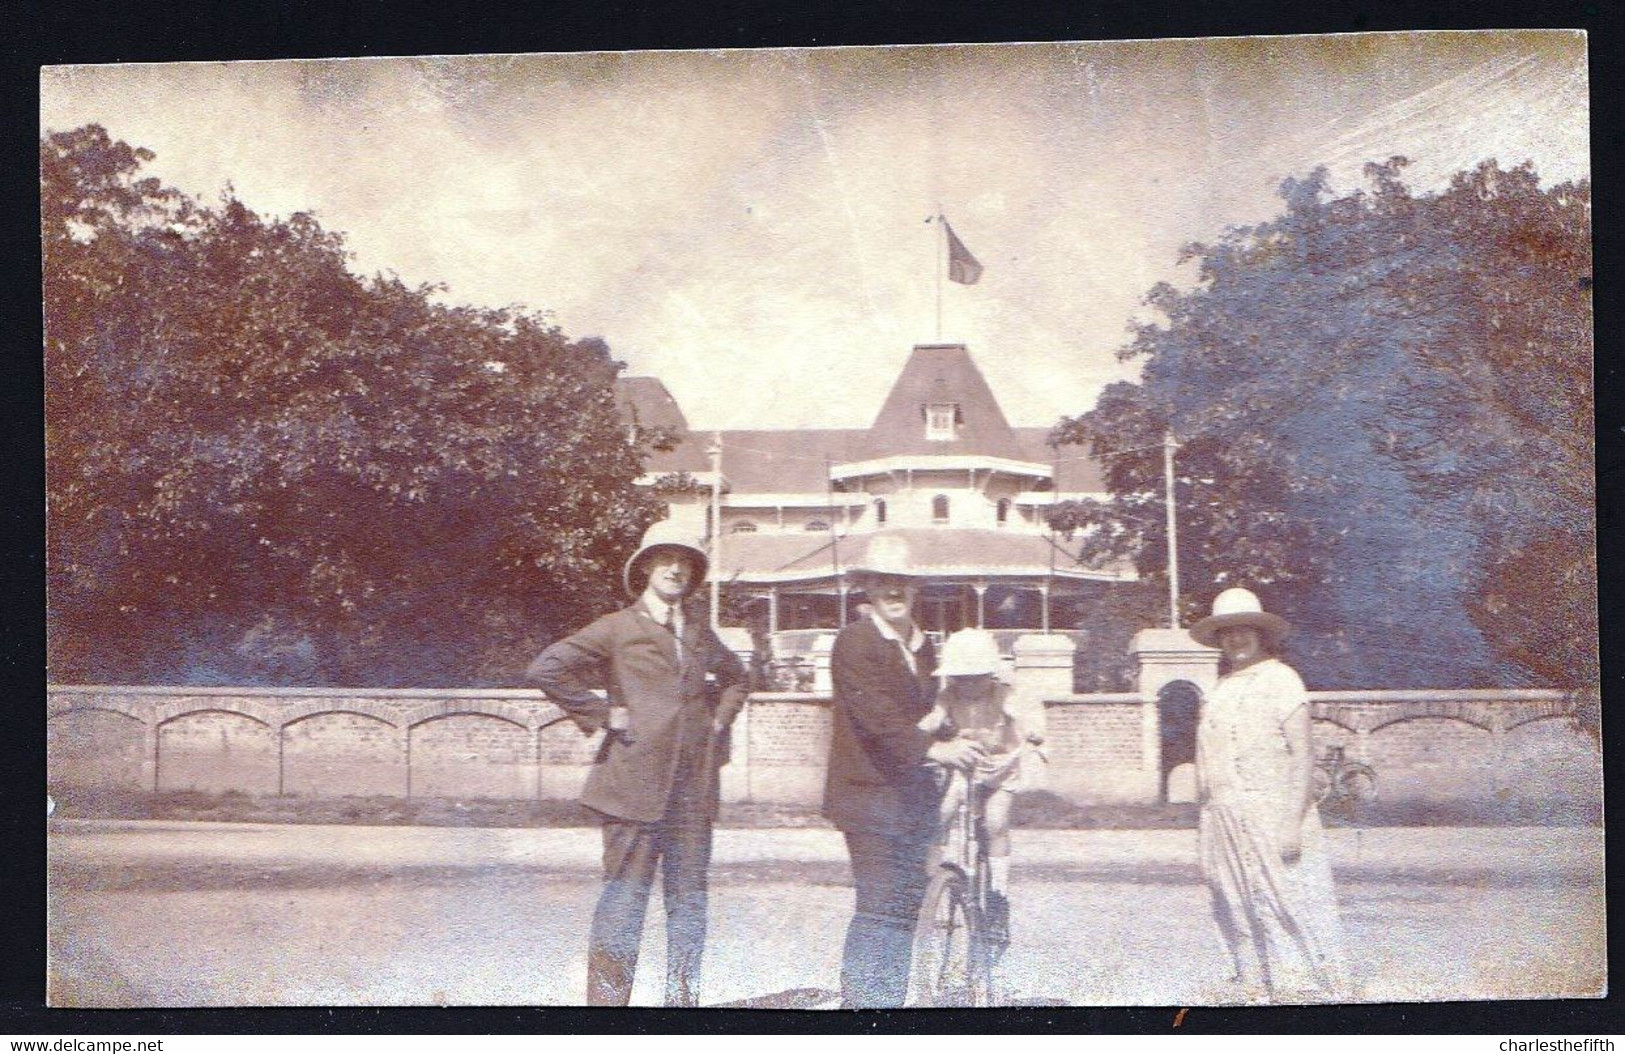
889,873
680,844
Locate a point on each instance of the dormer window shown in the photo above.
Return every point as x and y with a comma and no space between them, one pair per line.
942,421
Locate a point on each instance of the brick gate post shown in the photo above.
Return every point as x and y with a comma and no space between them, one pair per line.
1161,657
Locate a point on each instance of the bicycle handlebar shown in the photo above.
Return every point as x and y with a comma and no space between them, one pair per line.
1005,762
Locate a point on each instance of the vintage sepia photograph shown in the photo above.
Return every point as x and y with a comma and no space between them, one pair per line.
930,526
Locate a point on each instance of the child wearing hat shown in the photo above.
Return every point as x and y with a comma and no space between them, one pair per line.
970,704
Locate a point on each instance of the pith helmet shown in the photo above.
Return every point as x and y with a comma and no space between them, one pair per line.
666,534
1239,607
969,652
886,555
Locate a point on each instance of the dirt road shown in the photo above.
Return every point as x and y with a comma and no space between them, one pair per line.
194,914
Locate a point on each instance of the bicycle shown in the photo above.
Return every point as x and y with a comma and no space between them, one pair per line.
1341,784
954,946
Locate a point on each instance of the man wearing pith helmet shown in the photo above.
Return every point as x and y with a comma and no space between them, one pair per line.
673,690
878,790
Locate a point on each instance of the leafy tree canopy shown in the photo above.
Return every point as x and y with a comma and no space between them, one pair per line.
263,467
1384,407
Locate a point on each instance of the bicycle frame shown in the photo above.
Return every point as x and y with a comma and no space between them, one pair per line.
959,890
971,829
971,821
1346,782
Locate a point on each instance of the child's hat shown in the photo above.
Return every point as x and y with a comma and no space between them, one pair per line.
969,652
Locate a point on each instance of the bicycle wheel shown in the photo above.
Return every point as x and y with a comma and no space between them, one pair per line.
951,962
1359,784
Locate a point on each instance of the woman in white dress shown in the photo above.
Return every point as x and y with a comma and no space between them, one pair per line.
1262,849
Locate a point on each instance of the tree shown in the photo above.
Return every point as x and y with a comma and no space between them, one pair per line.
263,467
1384,407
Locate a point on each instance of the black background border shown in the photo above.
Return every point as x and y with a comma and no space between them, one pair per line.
159,30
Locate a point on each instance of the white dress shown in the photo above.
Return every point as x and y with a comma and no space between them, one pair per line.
1279,920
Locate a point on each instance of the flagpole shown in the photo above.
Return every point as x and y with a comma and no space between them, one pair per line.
941,265
715,451
1168,448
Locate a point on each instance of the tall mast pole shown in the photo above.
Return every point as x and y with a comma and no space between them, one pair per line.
941,265
834,536
1168,448
715,451
1049,528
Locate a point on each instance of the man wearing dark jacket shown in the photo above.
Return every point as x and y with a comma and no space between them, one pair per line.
673,691
878,790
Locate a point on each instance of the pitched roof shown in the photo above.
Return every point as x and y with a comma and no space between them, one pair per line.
1075,470
785,460
774,557
941,373
795,460
645,401
688,456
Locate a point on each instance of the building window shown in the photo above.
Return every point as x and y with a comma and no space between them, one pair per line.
939,509
743,527
817,525
941,421
1003,512
880,511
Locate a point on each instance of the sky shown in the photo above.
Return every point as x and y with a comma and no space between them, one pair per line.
749,226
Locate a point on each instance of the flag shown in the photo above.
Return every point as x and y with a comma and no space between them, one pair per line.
962,266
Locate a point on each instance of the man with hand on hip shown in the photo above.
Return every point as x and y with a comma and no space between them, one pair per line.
673,691
879,790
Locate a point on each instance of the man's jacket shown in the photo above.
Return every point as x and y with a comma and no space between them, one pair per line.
669,703
877,780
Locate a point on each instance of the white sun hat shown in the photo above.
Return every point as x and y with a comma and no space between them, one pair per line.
886,555
1239,607
969,652
664,534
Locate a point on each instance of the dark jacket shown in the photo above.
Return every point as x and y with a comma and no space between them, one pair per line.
877,780
668,704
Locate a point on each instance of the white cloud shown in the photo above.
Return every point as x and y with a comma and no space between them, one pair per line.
749,225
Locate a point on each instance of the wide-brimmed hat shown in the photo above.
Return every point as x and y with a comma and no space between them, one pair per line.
1239,607
665,534
969,653
885,555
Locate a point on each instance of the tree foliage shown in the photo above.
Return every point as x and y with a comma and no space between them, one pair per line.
1384,407
263,467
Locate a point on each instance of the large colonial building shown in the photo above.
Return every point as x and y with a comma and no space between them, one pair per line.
941,465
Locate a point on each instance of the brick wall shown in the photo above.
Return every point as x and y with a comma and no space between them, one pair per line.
1425,746
1544,761
96,748
789,732
784,751
344,753
1435,758
1456,746
215,750
472,756
1097,749
310,742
